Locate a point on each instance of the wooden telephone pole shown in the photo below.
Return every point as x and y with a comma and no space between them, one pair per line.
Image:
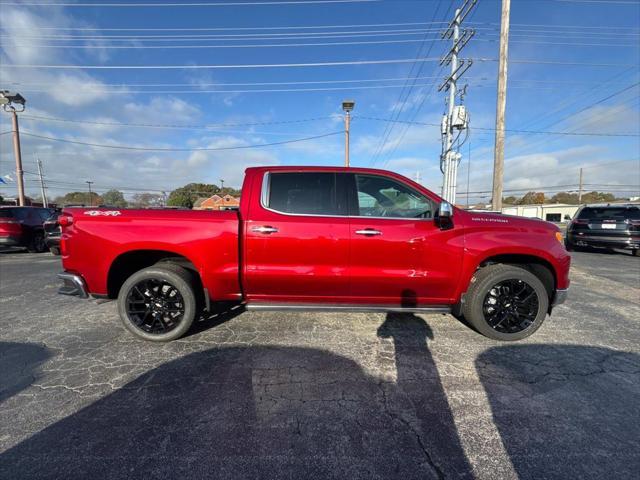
498,155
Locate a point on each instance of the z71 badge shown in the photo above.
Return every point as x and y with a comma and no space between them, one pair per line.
105,213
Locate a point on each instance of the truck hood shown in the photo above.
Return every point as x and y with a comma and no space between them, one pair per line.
499,219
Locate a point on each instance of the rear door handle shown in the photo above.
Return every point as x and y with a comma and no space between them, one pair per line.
368,232
264,229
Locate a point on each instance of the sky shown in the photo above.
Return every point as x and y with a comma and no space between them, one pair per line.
574,68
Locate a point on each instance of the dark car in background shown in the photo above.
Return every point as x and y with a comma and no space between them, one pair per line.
608,226
52,232
23,227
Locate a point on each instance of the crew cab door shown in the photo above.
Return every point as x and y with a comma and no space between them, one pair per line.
399,254
297,239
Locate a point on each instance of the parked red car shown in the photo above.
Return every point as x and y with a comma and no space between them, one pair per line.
23,227
318,239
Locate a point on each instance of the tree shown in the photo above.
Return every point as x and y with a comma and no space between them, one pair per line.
187,195
510,200
114,198
79,198
598,197
565,197
146,200
532,198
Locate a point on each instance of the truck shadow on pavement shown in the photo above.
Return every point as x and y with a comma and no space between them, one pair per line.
565,411
262,412
19,363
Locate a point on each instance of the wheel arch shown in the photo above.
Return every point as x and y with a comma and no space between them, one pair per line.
539,266
132,261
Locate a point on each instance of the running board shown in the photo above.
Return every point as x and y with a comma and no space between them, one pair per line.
272,307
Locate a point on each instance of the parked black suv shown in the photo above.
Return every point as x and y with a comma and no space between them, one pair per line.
52,233
22,227
609,226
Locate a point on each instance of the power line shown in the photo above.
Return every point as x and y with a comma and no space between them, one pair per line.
204,126
191,29
289,90
220,36
189,67
546,132
271,45
159,149
297,65
397,110
309,82
186,4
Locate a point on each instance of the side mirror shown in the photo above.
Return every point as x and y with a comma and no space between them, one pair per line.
444,218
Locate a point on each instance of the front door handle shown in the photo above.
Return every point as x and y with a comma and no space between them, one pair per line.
264,229
368,232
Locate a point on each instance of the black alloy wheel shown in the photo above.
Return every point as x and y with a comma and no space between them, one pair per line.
155,306
159,303
505,302
511,306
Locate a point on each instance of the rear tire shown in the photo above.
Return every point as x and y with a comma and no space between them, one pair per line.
634,252
55,250
158,303
568,245
505,302
37,245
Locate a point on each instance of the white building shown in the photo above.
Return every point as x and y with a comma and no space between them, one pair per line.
556,212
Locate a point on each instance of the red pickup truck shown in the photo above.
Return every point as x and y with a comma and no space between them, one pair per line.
318,239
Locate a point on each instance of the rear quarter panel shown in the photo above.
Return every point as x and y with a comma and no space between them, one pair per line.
209,240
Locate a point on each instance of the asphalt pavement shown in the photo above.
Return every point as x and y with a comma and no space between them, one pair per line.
264,395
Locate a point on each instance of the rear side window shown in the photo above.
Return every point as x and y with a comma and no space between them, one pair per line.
610,213
304,193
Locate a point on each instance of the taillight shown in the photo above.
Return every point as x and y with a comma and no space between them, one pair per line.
65,220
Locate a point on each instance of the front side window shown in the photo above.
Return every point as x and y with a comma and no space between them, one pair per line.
304,193
384,197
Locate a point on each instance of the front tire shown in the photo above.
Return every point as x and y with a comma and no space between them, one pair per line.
158,303
505,302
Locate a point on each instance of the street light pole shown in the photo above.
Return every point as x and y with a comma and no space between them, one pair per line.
90,194
9,100
347,106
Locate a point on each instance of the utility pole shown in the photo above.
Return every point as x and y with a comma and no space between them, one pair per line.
221,185
347,106
90,194
498,155
456,118
44,195
18,155
580,188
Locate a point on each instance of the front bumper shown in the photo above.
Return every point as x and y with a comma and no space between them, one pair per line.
73,285
612,241
560,296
